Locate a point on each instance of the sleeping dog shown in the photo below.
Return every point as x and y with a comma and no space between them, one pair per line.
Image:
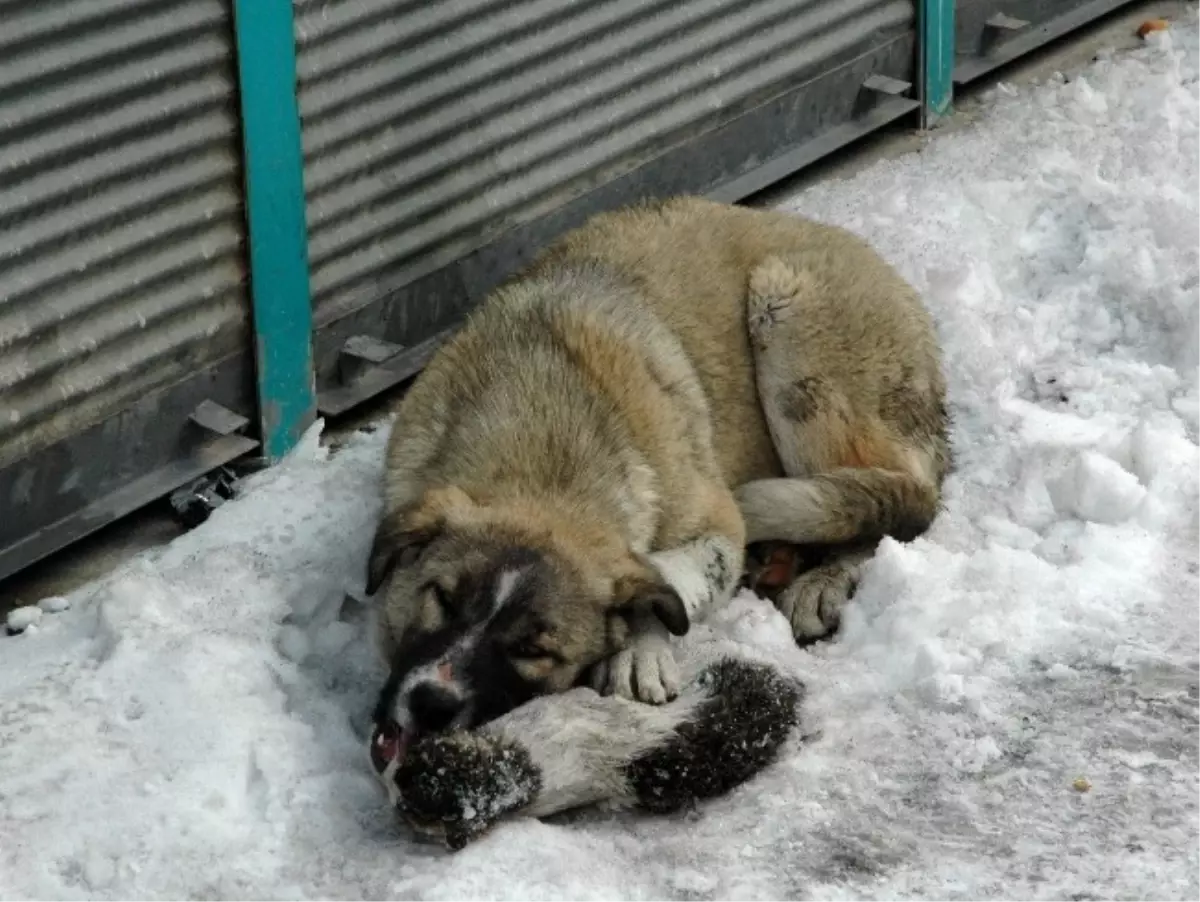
572,481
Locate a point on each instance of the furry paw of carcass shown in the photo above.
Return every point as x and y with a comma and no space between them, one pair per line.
578,748
456,786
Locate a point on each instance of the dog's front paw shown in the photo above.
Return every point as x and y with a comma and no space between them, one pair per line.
456,786
813,603
646,671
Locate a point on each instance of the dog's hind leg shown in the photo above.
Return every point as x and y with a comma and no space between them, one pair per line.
852,395
813,602
848,507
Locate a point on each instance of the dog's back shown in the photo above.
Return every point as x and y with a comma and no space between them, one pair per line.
690,260
863,328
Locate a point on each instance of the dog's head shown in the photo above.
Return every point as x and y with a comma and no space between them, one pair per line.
482,608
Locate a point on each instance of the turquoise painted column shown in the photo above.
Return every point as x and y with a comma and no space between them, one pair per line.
274,177
936,60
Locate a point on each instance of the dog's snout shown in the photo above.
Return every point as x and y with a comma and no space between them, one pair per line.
434,705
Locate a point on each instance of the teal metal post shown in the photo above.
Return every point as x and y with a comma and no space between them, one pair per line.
936,60
274,178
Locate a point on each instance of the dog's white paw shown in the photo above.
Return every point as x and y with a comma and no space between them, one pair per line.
646,671
813,603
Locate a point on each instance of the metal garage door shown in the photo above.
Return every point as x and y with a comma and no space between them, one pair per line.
121,267
989,33
445,141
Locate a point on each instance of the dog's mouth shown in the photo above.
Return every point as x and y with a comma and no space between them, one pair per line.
389,745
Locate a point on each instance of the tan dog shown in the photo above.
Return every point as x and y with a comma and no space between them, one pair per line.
575,475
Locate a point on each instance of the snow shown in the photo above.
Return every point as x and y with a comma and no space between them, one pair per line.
54,604
1009,711
21,619
1097,488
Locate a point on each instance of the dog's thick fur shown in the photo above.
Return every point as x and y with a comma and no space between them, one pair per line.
576,473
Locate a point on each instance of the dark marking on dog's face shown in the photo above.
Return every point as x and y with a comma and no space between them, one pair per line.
473,624
472,637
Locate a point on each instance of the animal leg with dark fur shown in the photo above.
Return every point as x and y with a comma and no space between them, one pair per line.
565,751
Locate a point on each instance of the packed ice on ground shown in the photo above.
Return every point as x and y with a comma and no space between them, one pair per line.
193,726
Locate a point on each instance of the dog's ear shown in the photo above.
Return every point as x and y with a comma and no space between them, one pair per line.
403,534
395,546
647,594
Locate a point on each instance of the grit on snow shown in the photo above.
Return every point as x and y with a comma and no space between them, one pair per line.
193,725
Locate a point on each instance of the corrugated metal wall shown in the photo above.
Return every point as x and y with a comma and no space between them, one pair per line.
431,128
433,133
120,207
444,143
121,224
1016,28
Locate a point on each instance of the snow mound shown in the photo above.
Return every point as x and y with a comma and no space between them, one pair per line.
1009,711
21,619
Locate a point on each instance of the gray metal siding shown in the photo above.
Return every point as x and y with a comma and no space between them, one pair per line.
121,223
431,128
980,48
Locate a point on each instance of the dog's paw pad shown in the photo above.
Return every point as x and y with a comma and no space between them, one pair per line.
460,784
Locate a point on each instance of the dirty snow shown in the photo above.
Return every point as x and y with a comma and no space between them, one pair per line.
1010,710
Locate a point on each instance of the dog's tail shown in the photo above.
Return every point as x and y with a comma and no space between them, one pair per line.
849,504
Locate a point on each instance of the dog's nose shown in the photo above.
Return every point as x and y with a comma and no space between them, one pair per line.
434,706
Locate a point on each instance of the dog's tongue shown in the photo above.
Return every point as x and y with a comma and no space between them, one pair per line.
387,745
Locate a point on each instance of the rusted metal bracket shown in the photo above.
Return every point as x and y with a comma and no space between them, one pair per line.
361,353
885,84
878,90
212,417
367,366
997,27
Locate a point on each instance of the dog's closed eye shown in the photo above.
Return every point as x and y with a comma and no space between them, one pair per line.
531,650
444,599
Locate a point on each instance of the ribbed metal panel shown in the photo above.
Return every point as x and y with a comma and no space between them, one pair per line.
980,47
429,128
121,267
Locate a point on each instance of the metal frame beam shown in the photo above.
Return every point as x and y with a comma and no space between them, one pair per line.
275,218
935,60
